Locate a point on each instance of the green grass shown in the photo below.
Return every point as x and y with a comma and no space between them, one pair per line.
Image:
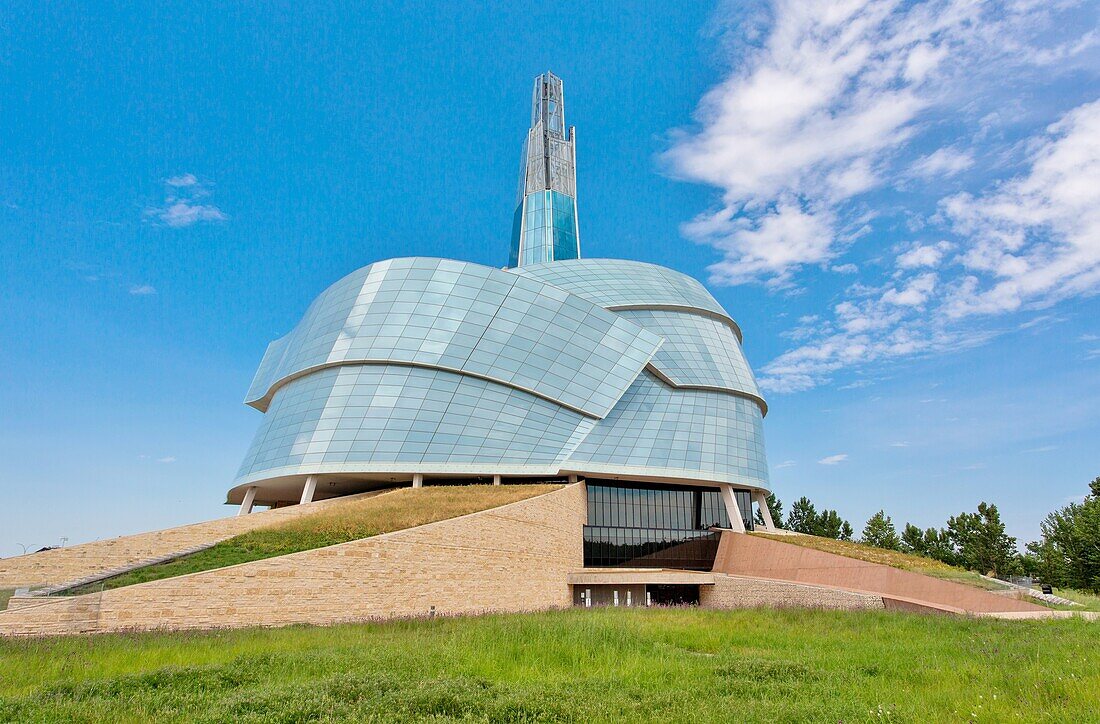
5,594
895,559
598,665
352,520
1088,601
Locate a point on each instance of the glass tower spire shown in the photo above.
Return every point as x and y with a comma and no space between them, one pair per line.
545,224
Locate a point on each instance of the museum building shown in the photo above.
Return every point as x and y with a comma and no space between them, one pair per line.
627,376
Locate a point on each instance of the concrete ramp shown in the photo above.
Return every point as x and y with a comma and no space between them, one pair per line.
753,556
87,562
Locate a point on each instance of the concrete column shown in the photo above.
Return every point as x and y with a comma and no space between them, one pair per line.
762,502
496,480
418,480
309,489
572,478
249,498
734,512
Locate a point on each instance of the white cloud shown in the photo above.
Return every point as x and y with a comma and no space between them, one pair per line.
929,255
915,292
187,179
945,162
142,290
846,269
182,206
1042,449
833,459
168,459
804,123
825,102
1035,239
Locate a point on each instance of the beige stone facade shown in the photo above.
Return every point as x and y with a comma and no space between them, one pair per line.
513,558
741,592
74,562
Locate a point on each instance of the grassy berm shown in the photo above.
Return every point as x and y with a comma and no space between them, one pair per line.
597,665
351,520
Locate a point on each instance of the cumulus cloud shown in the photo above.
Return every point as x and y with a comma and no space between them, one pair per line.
183,205
833,459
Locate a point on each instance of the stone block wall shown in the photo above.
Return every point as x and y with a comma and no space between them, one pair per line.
737,592
508,559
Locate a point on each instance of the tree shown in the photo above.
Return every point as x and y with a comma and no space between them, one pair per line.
880,532
980,541
937,544
829,524
930,543
803,516
912,540
775,505
1069,552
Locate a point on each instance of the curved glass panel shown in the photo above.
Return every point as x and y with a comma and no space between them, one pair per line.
697,350
467,317
695,434
620,282
371,417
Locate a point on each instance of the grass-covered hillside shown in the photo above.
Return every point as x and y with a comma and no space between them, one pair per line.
351,520
895,559
594,665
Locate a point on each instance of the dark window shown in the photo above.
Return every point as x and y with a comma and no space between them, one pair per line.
656,526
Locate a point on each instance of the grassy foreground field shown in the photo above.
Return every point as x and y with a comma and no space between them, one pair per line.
352,520
672,665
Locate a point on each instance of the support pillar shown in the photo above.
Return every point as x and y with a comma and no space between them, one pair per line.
249,499
572,478
732,509
309,489
496,480
418,480
765,513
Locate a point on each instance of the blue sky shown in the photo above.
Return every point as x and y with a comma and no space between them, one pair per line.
899,202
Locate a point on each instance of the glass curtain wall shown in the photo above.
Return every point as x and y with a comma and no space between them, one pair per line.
655,526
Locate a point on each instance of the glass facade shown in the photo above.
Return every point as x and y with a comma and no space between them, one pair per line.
439,366
638,525
470,319
548,230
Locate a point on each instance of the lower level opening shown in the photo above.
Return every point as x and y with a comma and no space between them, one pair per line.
632,595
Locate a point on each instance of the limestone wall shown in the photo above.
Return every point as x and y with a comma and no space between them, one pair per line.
74,562
737,592
513,558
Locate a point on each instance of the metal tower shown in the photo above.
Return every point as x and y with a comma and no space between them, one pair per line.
545,223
